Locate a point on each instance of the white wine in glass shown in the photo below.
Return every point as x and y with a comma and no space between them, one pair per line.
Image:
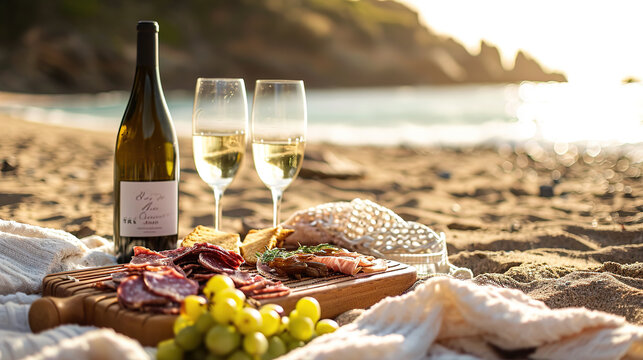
219,123
279,120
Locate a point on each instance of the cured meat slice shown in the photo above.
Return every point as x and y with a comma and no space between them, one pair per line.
213,262
230,258
258,284
118,277
132,293
174,253
242,278
170,284
271,295
105,285
202,277
145,257
261,287
277,288
377,265
340,264
169,309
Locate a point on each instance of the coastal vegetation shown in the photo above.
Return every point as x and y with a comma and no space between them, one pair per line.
89,46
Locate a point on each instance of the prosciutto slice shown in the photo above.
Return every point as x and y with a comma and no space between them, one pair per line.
343,265
170,284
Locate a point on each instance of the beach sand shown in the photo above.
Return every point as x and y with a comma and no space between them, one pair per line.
579,247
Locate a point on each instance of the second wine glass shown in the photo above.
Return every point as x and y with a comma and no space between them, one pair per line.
219,127
279,120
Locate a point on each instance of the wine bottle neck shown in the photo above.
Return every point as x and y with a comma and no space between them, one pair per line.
147,54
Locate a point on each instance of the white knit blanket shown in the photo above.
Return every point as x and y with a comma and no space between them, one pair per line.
443,318
27,254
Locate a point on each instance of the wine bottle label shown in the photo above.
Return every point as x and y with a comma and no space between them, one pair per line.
149,208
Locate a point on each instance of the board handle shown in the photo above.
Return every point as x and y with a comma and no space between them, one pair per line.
49,312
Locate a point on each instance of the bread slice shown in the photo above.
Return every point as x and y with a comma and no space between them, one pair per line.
258,241
202,234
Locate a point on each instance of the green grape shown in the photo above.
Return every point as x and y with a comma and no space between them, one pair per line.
212,356
216,284
168,350
309,307
285,321
247,320
326,326
295,344
204,322
301,328
286,337
274,307
193,306
224,311
189,338
233,294
293,314
239,355
255,343
276,348
181,322
199,353
222,339
270,321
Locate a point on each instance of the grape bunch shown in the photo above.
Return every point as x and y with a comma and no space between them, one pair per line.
224,326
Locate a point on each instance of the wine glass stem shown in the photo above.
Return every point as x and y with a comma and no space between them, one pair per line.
277,194
218,194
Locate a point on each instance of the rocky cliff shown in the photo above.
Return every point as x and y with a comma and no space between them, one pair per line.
90,45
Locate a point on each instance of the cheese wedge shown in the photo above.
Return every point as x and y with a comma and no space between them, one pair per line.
258,241
204,234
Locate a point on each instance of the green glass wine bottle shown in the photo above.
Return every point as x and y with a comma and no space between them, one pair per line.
146,160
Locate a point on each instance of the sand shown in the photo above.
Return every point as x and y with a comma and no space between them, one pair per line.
579,247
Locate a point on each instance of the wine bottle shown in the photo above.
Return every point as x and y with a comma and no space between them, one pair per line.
146,160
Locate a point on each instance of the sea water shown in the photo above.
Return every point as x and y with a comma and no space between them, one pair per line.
606,115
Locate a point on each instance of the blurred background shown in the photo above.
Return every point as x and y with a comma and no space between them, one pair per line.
411,72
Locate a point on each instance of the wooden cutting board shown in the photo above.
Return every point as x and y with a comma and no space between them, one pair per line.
69,297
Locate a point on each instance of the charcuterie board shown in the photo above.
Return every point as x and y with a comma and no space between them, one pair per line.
70,297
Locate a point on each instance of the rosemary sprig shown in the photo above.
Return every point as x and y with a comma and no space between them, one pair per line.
315,248
272,254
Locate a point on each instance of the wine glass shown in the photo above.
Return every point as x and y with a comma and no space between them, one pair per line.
219,127
278,135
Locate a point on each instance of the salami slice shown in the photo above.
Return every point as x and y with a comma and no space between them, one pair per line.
133,294
170,284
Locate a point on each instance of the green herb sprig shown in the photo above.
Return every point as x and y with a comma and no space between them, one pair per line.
272,254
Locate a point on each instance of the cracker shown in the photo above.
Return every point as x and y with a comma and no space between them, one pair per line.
204,234
258,241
